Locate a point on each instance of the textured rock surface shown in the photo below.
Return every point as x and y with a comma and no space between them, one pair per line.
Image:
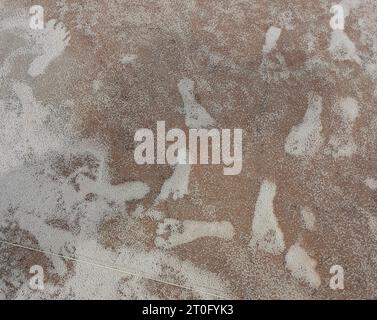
101,226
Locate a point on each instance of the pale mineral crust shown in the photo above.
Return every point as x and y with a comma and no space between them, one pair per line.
73,200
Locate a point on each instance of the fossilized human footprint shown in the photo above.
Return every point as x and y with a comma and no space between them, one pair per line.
266,233
180,232
177,184
305,138
53,40
196,116
341,143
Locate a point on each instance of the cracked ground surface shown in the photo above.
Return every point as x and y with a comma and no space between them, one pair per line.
73,200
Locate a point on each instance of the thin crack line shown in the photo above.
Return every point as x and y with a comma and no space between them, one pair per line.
112,268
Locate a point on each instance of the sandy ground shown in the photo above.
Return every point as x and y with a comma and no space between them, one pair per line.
73,200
